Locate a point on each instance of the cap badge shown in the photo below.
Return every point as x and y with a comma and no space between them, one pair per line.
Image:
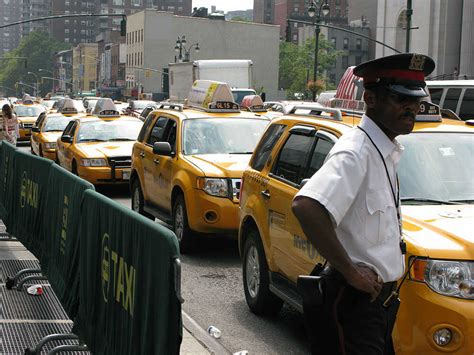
417,62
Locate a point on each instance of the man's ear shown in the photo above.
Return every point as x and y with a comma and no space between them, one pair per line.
370,98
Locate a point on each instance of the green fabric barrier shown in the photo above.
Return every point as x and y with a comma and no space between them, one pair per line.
60,235
7,157
127,300
29,187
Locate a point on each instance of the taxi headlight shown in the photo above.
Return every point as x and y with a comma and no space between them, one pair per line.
93,162
214,186
442,337
446,277
50,145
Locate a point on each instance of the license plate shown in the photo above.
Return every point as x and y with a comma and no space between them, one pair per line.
126,175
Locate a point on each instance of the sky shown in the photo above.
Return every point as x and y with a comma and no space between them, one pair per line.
225,5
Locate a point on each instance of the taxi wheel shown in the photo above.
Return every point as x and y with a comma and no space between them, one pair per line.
138,201
256,279
181,226
40,151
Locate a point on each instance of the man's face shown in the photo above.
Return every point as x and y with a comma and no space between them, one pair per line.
395,113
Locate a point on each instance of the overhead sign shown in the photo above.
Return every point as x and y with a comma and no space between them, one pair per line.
130,77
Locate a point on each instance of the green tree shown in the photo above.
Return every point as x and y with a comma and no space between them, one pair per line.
39,49
297,65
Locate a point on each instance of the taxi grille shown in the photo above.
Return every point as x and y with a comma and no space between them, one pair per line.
27,125
236,189
120,162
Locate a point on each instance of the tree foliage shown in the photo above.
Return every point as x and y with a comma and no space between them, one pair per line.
39,49
297,65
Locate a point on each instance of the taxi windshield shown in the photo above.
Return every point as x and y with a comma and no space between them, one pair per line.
47,103
28,111
222,135
437,168
102,131
55,123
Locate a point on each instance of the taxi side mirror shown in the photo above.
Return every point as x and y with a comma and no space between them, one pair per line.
35,129
303,182
162,148
66,138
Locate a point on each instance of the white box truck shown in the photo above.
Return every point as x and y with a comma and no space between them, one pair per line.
235,72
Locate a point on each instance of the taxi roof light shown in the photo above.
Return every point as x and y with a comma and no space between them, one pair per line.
212,96
68,107
253,103
105,107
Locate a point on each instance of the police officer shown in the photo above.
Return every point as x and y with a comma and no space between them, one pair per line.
350,211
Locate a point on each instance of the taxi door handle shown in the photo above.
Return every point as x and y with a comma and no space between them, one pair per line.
156,161
142,154
265,193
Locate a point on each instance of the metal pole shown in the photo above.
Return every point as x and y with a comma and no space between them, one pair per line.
315,74
409,13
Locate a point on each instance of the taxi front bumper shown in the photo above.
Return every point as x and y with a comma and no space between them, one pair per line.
104,175
50,154
211,214
424,312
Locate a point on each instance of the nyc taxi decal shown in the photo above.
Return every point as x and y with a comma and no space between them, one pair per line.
28,192
304,245
122,280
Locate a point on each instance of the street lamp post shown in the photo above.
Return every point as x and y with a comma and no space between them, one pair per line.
324,9
183,53
37,83
47,71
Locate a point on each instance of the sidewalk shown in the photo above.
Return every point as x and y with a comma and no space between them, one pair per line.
25,319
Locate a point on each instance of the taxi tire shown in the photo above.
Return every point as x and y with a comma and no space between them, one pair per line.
137,193
264,302
40,152
186,240
31,150
74,168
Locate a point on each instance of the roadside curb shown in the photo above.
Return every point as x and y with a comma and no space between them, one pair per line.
202,337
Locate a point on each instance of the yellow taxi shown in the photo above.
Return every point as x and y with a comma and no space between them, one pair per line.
49,127
27,113
188,161
98,148
437,193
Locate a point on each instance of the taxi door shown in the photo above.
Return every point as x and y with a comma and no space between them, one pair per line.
63,148
151,162
300,157
35,142
164,170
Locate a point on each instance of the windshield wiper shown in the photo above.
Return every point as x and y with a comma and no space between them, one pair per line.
463,201
240,152
428,200
92,140
120,139
54,130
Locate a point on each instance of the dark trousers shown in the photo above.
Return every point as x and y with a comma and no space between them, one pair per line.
348,323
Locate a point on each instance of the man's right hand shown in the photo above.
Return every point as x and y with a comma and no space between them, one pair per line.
366,280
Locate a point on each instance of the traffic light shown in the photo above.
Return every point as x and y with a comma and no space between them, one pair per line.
123,27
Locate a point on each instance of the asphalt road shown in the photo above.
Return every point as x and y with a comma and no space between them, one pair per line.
213,293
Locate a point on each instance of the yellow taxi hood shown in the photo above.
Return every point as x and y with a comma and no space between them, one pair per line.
27,119
221,165
51,136
106,149
442,231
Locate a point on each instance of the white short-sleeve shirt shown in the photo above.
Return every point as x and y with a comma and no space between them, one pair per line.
354,187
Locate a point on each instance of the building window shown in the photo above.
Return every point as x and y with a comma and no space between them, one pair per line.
358,44
345,43
345,62
66,30
333,42
295,37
